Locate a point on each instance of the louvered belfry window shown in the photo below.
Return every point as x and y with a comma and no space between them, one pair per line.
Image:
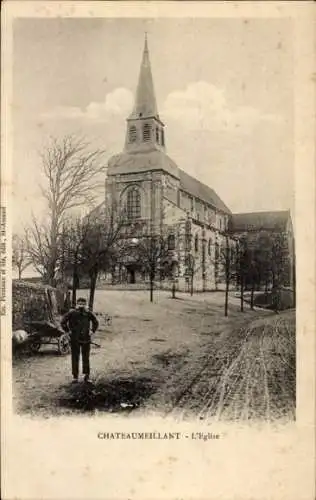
171,242
133,203
162,138
132,134
146,132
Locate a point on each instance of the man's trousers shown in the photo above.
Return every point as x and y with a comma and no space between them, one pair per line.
76,347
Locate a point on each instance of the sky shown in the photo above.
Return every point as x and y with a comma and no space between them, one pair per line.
224,90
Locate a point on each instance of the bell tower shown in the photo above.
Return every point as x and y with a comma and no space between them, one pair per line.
145,130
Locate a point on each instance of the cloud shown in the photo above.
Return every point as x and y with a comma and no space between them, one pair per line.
202,106
116,103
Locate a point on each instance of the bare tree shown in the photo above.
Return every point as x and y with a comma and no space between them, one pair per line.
74,234
227,260
20,257
72,175
38,247
195,261
103,244
154,256
242,264
192,268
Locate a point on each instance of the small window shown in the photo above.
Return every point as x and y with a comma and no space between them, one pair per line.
209,246
157,135
196,243
171,242
132,134
146,132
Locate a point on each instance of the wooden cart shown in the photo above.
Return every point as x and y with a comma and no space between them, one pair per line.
47,333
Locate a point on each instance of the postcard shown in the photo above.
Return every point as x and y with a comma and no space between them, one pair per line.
158,250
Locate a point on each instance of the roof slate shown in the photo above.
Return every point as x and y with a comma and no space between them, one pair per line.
201,191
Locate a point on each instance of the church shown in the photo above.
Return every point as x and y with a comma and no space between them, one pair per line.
161,198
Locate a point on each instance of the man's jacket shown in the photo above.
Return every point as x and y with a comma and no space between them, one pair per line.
78,324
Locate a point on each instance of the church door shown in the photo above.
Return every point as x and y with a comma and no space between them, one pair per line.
131,273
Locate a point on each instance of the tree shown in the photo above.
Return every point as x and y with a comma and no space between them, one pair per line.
280,267
154,256
20,257
74,234
263,261
72,177
227,260
242,266
194,260
192,268
103,244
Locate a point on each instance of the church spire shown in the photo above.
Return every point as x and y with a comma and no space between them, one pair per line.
145,102
145,131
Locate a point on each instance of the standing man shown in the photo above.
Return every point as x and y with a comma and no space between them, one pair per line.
77,322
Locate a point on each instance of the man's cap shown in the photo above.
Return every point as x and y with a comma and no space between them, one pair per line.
81,300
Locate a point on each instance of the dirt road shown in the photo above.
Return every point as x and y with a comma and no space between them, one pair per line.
178,356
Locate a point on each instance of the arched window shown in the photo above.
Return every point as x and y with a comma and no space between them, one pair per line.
171,242
132,134
146,132
196,243
133,204
157,135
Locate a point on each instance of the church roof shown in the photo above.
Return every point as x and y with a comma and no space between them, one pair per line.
201,191
127,163
145,102
256,221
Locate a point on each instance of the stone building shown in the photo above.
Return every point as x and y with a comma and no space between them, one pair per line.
160,198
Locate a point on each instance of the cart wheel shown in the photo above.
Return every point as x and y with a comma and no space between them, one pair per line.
63,344
35,346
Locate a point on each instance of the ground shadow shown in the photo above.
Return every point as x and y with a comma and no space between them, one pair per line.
108,395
